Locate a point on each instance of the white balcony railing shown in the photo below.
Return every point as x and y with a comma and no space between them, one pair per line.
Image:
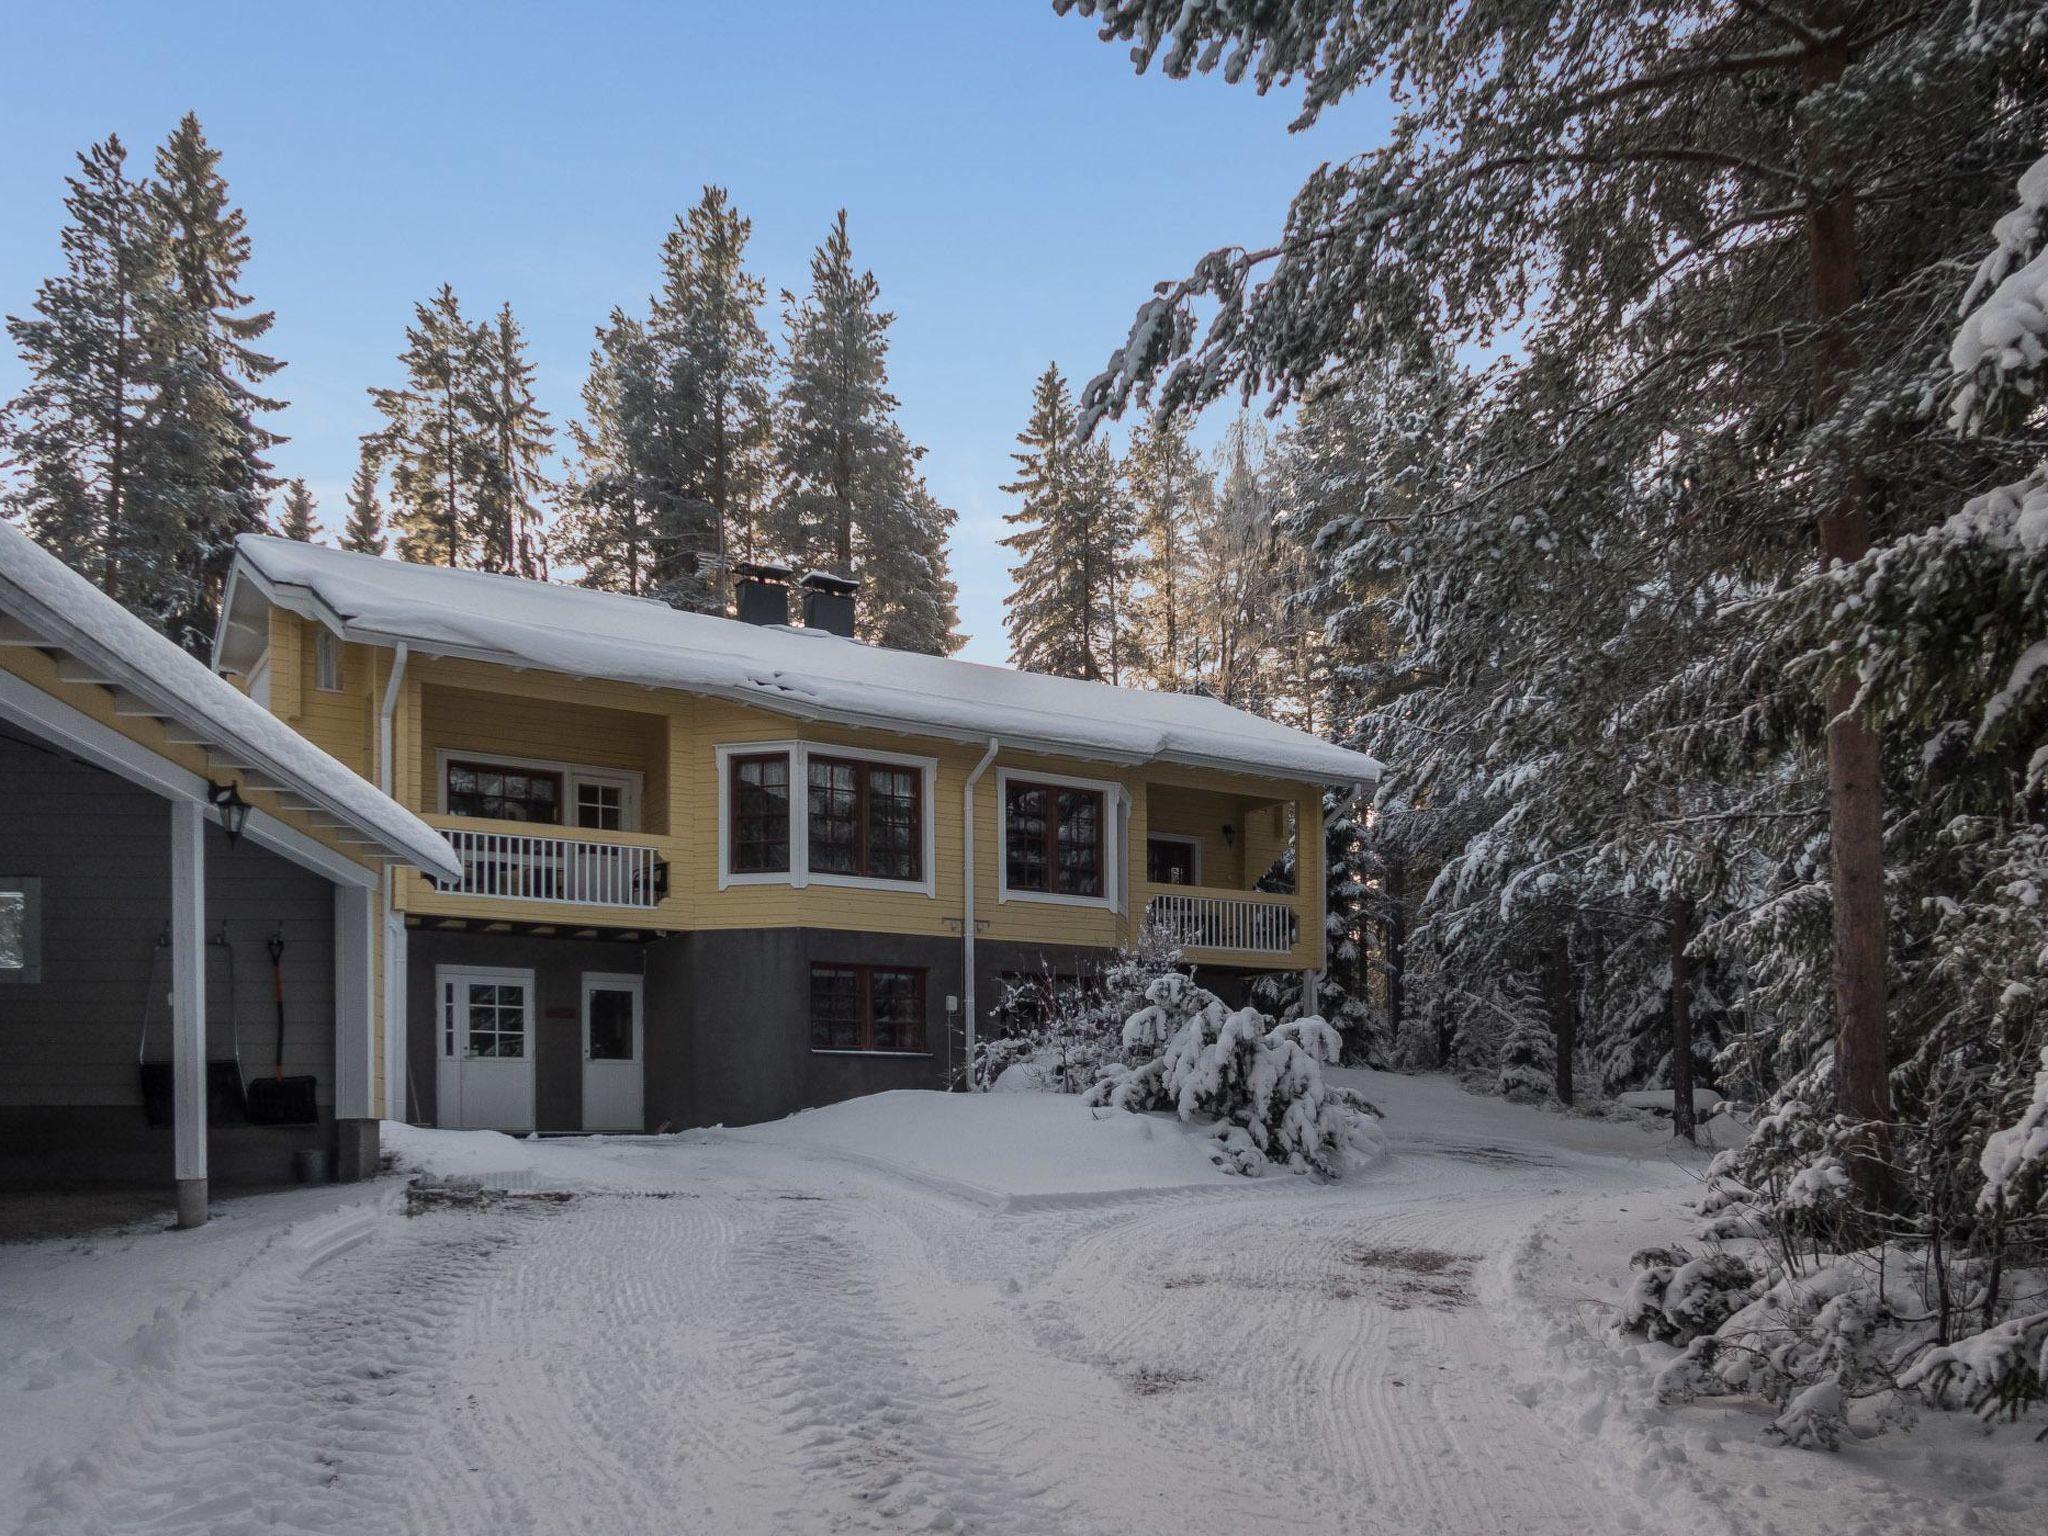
1261,925
524,867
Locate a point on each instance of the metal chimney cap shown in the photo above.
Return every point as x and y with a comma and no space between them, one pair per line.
763,570
825,581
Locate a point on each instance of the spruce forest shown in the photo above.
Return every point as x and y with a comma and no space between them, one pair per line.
1642,453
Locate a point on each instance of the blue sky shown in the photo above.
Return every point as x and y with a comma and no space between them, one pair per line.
1014,186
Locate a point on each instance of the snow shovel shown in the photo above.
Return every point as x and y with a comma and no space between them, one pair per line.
277,1099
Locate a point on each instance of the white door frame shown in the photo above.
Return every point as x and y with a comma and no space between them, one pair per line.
616,981
448,1045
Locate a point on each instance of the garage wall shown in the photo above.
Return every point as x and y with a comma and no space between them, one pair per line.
101,847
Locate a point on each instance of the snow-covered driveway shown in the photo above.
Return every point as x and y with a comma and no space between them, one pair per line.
751,1332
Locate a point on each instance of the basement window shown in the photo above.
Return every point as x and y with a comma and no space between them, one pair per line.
21,929
869,1008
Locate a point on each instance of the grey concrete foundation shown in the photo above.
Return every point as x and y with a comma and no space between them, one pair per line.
191,1202
356,1152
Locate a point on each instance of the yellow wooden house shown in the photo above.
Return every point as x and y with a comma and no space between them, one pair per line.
717,869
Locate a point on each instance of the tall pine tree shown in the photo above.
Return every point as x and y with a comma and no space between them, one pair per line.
433,437
515,437
70,434
1072,537
210,480
298,518
1171,496
363,533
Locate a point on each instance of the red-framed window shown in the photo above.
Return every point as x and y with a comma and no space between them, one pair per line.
758,800
495,792
865,818
1053,838
867,1008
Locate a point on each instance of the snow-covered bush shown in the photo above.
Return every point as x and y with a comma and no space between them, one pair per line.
1064,1031
2003,1369
1677,1297
1260,1083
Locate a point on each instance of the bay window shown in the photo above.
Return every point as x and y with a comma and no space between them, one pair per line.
805,815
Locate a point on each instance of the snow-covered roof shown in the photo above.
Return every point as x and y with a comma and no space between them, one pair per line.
806,673
58,607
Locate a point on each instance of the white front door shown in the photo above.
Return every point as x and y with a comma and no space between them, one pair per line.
613,1062
485,1080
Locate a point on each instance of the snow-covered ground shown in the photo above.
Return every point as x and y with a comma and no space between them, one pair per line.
926,1312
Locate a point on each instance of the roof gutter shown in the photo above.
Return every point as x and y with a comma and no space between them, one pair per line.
967,902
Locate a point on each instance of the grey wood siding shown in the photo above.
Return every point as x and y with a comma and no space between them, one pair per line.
101,847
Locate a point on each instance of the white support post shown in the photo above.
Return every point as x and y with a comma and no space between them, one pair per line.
395,1046
355,1020
356,980
188,1008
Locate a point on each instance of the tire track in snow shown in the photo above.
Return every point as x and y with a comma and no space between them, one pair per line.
301,1404
891,1434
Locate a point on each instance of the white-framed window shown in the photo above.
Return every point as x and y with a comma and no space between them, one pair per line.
808,813
495,787
21,929
1061,839
326,660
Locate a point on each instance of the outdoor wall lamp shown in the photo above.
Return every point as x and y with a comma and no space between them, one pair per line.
234,810
661,879
1229,835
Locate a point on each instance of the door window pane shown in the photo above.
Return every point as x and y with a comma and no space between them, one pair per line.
602,806
611,1024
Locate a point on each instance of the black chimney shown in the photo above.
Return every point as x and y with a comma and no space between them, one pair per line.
764,592
828,603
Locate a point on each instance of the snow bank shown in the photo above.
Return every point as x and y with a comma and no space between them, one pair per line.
804,673
1010,1150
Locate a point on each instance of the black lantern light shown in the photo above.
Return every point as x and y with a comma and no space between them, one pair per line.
234,810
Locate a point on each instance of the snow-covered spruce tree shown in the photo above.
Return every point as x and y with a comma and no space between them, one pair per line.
69,437
298,517
611,500
512,487
1260,1084
363,533
1073,537
908,599
433,437
1745,214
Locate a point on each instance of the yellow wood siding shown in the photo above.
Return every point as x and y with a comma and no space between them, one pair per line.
672,740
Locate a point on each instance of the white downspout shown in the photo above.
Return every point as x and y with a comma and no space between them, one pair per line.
967,902
394,993
384,714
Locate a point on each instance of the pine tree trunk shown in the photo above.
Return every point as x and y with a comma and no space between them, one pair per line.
1855,804
1679,919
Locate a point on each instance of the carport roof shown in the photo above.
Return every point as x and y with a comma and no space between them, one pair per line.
46,605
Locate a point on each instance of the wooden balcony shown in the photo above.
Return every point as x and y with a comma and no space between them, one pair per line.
1250,925
555,877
